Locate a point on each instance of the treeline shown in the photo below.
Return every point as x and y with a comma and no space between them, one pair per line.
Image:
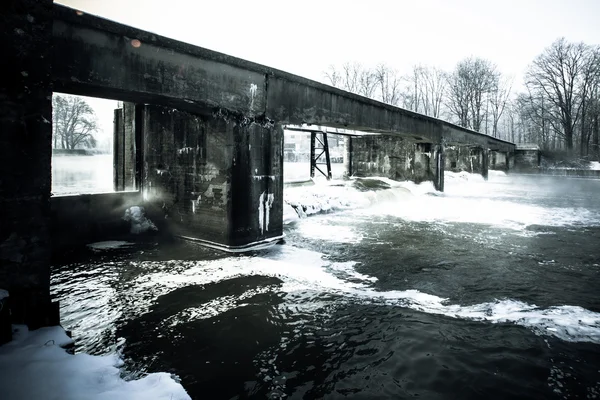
558,107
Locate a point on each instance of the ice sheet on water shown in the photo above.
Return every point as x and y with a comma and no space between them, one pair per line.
34,366
307,274
109,244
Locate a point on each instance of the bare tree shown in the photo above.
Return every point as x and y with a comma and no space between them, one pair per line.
74,122
498,98
367,83
433,85
587,93
354,78
559,73
388,81
594,118
468,87
333,76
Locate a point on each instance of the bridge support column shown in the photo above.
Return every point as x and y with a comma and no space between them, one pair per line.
213,180
485,163
391,156
25,160
348,171
439,167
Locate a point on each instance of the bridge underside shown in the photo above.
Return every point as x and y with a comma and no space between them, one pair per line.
207,129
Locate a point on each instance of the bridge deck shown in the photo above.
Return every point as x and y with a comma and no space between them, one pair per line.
97,57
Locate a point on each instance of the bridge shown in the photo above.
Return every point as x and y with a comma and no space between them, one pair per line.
199,141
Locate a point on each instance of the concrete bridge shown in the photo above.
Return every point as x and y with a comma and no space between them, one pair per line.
199,141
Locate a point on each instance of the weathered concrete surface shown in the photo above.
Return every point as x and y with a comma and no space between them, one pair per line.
98,57
214,180
527,158
124,149
471,159
348,167
439,166
392,157
25,154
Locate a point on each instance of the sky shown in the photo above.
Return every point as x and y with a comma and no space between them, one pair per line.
306,37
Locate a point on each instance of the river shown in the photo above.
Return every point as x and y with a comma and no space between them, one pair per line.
489,290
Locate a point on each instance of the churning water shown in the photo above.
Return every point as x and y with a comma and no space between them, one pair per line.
382,290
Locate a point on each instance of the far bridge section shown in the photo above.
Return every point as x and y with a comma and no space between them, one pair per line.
203,150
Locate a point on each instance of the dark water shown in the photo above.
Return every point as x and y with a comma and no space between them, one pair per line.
489,291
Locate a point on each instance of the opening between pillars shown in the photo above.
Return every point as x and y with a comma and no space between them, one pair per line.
319,147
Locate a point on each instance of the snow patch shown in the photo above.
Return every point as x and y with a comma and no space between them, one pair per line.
595,165
35,366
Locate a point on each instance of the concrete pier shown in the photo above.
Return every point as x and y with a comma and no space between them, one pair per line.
439,157
25,156
213,180
473,159
392,157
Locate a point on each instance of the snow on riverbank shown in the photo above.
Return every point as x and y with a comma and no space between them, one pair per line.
35,366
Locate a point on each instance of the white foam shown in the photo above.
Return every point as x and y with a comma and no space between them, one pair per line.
308,274
468,198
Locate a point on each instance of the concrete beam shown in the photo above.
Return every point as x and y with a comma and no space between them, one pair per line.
96,57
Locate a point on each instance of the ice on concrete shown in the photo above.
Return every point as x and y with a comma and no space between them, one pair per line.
139,223
35,366
109,244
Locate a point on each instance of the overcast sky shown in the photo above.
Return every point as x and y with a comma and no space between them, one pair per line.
305,37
